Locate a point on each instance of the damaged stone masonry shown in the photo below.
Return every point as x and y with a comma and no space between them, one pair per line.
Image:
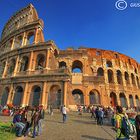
35,72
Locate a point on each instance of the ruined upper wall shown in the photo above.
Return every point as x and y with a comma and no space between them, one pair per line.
99,54
20,19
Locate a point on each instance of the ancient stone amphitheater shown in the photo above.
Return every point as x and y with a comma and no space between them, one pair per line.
35,72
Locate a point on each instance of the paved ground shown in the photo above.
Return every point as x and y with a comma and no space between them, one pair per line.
77,127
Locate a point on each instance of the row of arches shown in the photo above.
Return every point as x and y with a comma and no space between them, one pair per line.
18,42
123,100
23,64
55,97
77,66
35,96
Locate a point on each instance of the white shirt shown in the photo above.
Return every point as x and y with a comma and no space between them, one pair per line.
64,110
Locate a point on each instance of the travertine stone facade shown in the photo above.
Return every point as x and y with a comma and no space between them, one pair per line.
34,72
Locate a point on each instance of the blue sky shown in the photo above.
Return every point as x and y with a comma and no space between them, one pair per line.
89,23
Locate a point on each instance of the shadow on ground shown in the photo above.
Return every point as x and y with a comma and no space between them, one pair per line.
93,138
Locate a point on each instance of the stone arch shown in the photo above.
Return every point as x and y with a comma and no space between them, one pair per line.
55,53
78,96
113,99
18,96
40,61
24,63
119,77
5,96
108,63
133,79
126,76
123,100
18,42
94,97
35,96
131,101
2,66
110,76
136,71
30,38
62,64
100,72
55,96
11,66
77,66
137,101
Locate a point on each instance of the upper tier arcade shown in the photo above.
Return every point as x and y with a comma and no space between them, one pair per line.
22,29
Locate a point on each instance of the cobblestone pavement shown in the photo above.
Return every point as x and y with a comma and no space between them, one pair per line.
77,127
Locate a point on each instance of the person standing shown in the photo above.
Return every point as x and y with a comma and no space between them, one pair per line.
118,119
137,122
64,113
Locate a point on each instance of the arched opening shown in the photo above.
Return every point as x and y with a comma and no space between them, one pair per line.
5,96
78,96
18,96
55,53
110,76
24,63
136,71
35,97
113,99
30,38
119,77
131,101
126,78
123,100
18,42
77,67
12,66
94,97
100,72
137,101
2,68
55,96
40,62
108,63
133,79
62,64
138,82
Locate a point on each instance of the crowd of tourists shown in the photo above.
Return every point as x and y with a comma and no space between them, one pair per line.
125,121
26,120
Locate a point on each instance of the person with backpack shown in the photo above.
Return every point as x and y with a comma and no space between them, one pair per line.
119,124
137,122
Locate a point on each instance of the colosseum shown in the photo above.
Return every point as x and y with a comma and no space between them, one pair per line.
35,72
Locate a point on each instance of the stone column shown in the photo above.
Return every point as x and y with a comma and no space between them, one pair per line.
44,95
24,100
65,93
127,100
16,66
12,46
10,96
36,36
123,79
86,96
47,58
24,40
31,61
5,69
